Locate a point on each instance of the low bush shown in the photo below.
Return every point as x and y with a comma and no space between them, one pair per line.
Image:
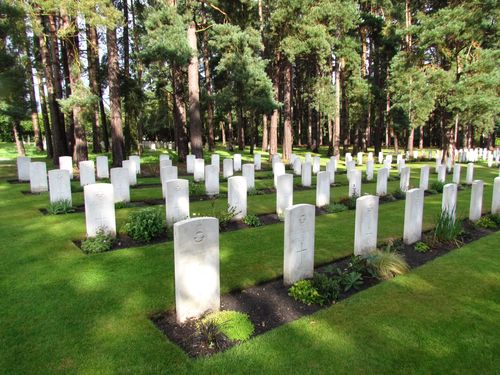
495,218
386,264
350,279
349,202
119,205
421,247
305,292
252,220
437,186
145,225
432,192
60,207
224,216
196,189
255,192
399,194
486,223
447,227
99,244
235,325
335,207
329,288
210,334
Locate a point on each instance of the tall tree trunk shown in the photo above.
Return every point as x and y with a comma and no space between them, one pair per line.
223,132
240,127
45,117
93,62
336,128
80,152
117,141
230,131
139,68
287,107
127,133
265,133
70,124
179,113
19,142
208,85
195,127
273,134
421,141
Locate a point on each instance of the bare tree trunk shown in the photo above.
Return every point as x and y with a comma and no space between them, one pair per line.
240,128
208,85
92,58
70,130
288,115
265,133
421,141
411,138
19,142
179,113
230,131
195,126
117,141
273,134
223,132
336,130
139,68
126,87
45,117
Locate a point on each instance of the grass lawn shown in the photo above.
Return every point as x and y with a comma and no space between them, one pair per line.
65,312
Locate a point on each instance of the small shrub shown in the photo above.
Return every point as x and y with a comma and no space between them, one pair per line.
349,202
432,192
395,245
255,192
145,224
252,220
357,264
100,243
209,333
350,280
437,186
399,194
385,265
196,189
305,292
335,207
224,216
387,198
329,288
495,218
60,207
120,205
235,325
447,227
421,247
486,223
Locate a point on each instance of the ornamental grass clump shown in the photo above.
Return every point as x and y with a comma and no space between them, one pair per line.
60,207
447,228
385,265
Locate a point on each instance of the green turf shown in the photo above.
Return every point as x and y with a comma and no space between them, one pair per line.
65,312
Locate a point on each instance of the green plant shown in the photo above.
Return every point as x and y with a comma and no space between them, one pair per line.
349,202
120,205
335,207
224,216
60,207
495,218
252,220
486,223
145,224
329,288
305,292
385,264
399,194
421,247
432,192
447,227
350,280
437,186
102,242
235,325
209,333
254,191
196,189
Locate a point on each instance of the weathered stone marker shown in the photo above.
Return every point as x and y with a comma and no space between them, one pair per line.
322,189
355,183
404,182
495,203
38,177
284,193
121,184
441,172
177,200
59,186
190,163
316,164
424,177
129,165
257,162
66,163
102,167
137,163
99,209
87,172
456,173
227,168
237,196
278,170
382,175
297,167
330,168
166,174
366,226
199,170
248,172
369,169
306,174
298,262
470,174
215,160
449,200
476,200
23,168
211,180
237,162
196,267
414,213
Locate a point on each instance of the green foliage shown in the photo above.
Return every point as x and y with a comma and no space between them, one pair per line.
254,192
421,247
119,205
305,292
486,223
386,264
350,280
60,207
495,218
209,333
437,186
399,194
196,189
349,202
235,325
252,220
224,216
329,288
447,227
145,225
335,207
100,243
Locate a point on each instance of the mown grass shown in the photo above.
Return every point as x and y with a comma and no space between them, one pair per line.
65,312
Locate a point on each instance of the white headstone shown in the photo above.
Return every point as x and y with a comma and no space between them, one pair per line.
284,193
348,157
23,168
350,165
59,186
249,173
470,174
102,167
308,158
99,209
360,158
137,163
330,168
298,260
199,170
369,170
441,172
164,157
355,183
257,162
165,163
121,184
424,177
322,189
316,164
306,174
366,226
190,163
449,200
129,165
237,196
237,162
297,167
66,163
382,175
495,202
196,267
278,170
215,160
456,173
227,168
167,173
87,172
404,182
211,180
177,200
414,213
380,157
476,200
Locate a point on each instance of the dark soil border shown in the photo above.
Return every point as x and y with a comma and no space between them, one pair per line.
269,306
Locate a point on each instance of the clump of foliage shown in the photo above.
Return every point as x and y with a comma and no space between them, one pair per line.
386,264
145,225
447,227
387,198
329,288
432,192
224,216
102,242
305,292
349,202
60,207
495,218
209,333
335,207
421,247
196,189
399,194
437,186
119,205
486,223
254,191
252,220
235,325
